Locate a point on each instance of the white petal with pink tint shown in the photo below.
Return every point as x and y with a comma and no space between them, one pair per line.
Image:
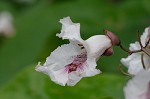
63,55
96,45
138,87
69,30
55,63
73,78
90,68
60,77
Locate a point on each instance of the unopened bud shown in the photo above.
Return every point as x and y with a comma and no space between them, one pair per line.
108,52
114,39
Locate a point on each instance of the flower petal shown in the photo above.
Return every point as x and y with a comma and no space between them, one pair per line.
62,56
137,88
133,62
60,76
55,63
145,36
134,46
89,69
74,78
70,30
96,45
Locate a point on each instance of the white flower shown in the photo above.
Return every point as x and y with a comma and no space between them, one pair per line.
6,27
133,61
138,87
70,62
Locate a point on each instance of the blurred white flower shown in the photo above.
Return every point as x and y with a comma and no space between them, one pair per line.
139,86
70,62
133,62
6,26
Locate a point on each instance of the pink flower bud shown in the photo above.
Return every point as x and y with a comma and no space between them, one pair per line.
114,39
108,52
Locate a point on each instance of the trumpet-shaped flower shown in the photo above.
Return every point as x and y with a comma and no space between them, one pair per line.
70,62
139,86
134,62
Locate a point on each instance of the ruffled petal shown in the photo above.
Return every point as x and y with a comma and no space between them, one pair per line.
144,39
56,62
96,45
134,46
63,56
133,62
60,76
137,88
74,78
89,68
145,36
70,30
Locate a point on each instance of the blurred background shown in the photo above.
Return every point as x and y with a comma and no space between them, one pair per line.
27,35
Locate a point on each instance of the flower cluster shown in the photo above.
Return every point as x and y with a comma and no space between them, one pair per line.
133,61
138,64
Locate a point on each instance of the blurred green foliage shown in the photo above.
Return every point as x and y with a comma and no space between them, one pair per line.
29,84
36,25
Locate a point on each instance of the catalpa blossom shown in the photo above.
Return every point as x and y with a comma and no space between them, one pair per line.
6,26
139,86
134,62
70,62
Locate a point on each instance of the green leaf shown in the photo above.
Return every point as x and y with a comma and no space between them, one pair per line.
29,84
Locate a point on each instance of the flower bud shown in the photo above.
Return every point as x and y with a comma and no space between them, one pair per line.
108,52
114,39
